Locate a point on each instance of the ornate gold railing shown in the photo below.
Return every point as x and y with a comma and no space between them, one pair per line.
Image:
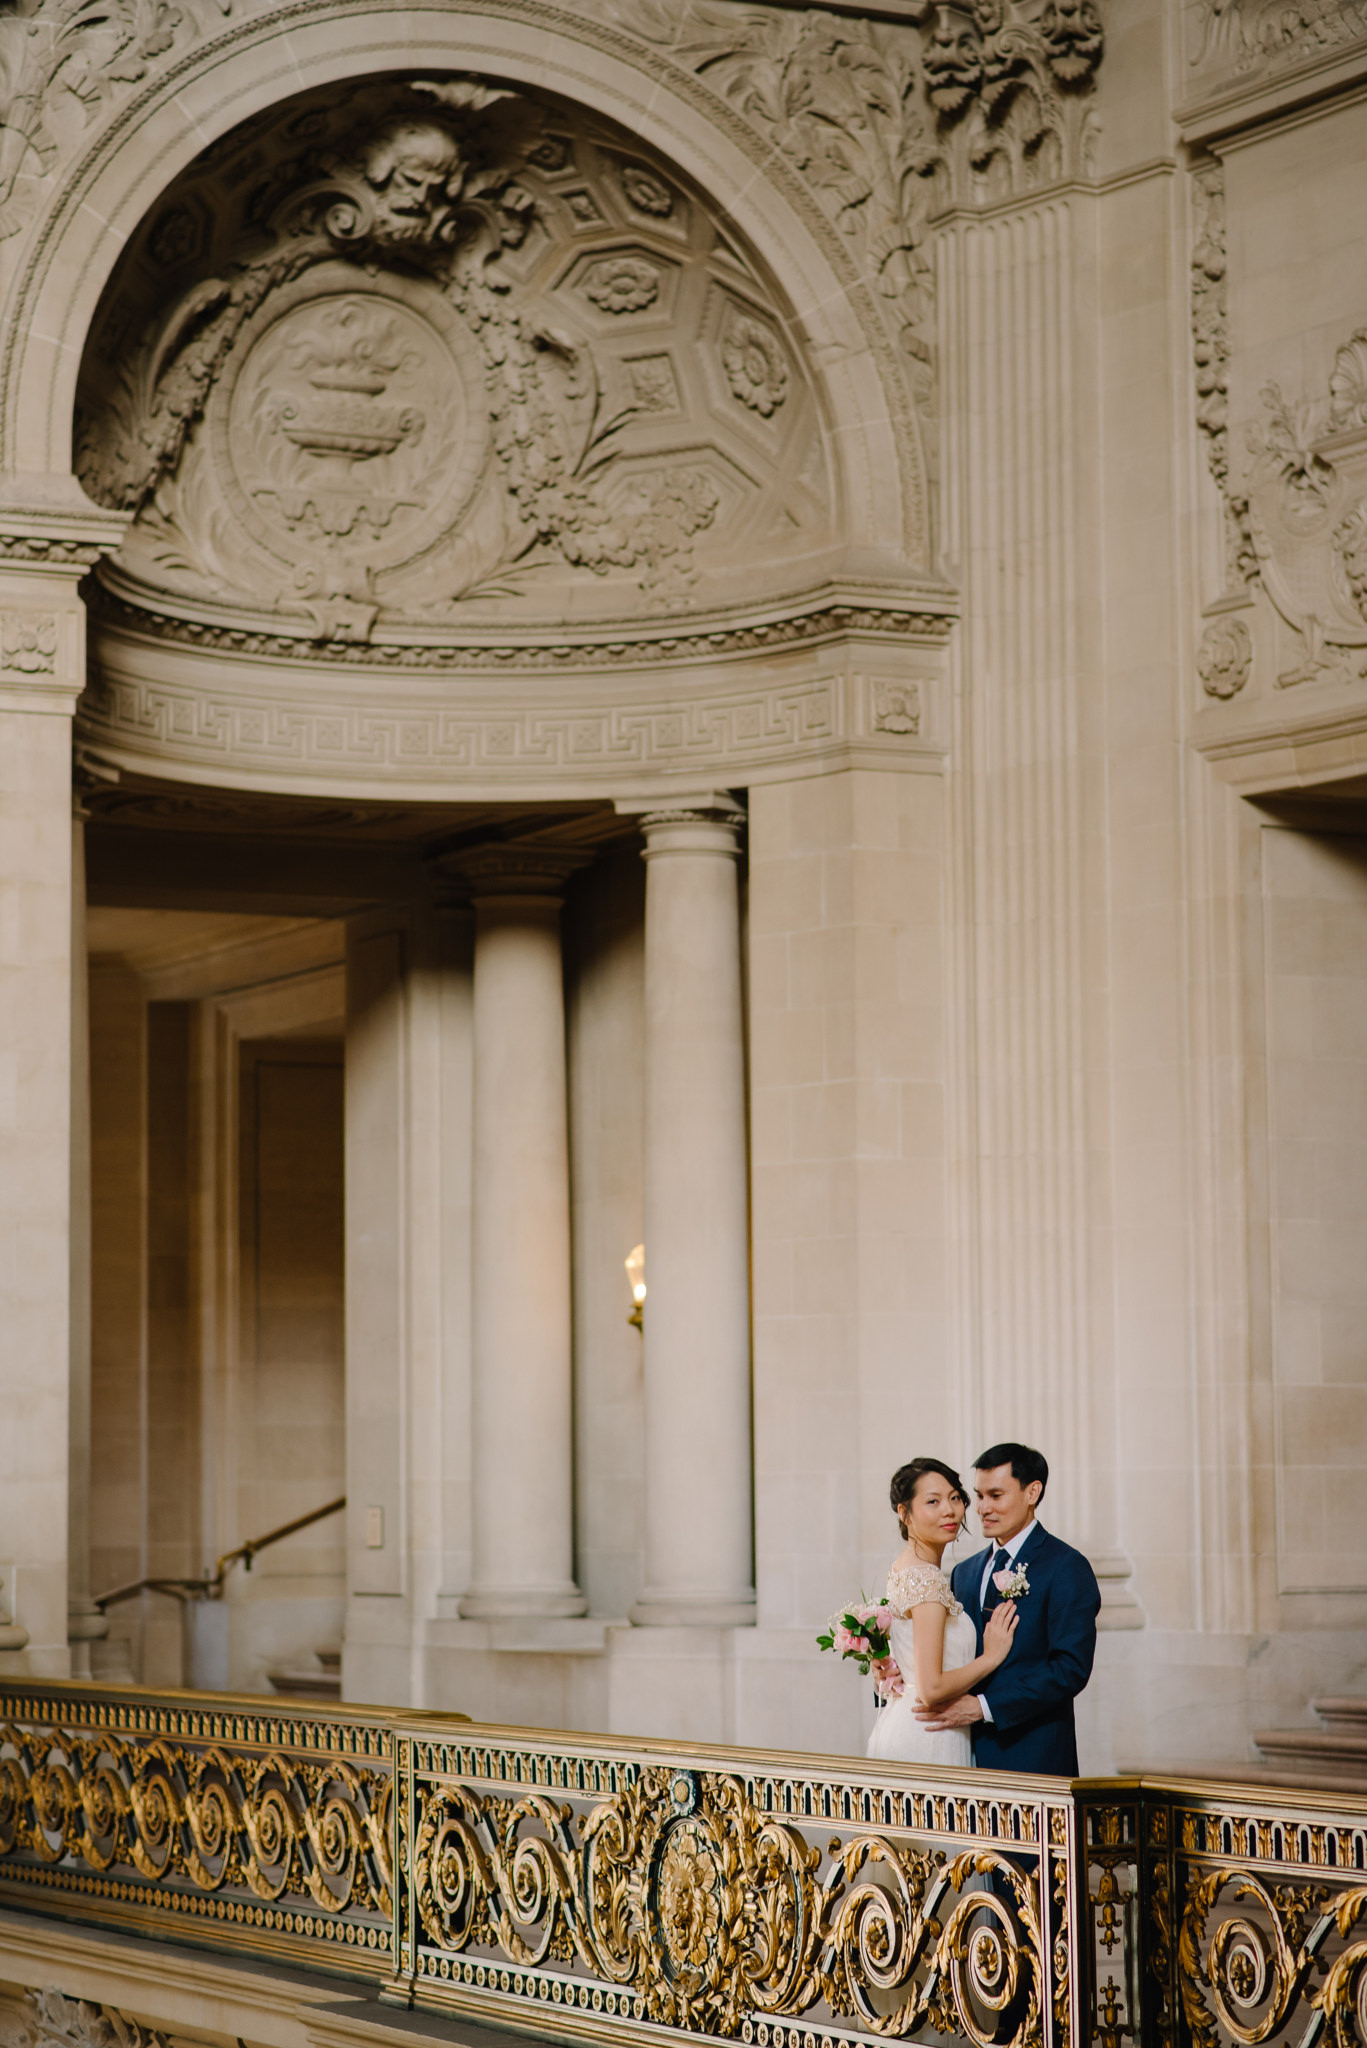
790,1902
217,1820
573,1886
1223,1914
552,1883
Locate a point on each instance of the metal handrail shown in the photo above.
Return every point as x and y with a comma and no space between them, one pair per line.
211,1587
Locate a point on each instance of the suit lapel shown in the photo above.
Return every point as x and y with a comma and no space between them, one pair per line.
1033,1543
974,1568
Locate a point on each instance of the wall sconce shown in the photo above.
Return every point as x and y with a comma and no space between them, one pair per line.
636,1274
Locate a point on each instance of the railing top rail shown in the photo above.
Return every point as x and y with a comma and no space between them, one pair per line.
1225,1794
84,1699
1019,1786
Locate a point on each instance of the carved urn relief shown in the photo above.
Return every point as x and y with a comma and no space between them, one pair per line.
429,353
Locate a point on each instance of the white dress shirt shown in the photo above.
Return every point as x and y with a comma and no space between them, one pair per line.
1011,1547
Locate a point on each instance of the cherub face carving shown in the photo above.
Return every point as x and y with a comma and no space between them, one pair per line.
415,170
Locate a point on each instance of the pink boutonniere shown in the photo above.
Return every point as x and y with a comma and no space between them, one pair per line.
1012,1585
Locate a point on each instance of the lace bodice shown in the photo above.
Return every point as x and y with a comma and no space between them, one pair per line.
913,1585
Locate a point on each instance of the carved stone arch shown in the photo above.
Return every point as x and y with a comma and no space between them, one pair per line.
871,435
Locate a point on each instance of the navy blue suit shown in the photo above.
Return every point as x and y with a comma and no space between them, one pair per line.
1031,1695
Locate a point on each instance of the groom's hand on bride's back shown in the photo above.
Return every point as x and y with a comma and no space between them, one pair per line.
960,1713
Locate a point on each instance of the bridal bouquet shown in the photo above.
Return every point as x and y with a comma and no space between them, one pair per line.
861,1631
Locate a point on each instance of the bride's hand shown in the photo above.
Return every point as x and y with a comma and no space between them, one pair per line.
1001,1626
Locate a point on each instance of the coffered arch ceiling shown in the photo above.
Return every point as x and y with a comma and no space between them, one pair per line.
382,361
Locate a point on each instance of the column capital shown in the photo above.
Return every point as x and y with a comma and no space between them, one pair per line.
49,522
683,806
479,874
691,832
50,537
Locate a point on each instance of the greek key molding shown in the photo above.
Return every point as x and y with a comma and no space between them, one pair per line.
732,731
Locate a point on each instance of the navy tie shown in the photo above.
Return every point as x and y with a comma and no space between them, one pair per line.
1000,1563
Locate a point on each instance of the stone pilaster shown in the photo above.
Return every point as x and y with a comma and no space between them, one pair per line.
42,672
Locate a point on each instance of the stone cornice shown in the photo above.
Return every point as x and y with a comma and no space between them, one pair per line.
1265,97
928,623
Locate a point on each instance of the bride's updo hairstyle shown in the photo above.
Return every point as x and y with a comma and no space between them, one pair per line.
907,1477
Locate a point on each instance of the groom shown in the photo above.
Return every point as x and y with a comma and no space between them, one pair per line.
1022,1720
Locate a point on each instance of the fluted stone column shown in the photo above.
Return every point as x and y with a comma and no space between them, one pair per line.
523,1548
699,1567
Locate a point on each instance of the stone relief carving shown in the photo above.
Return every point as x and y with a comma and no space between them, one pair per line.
622,284
888,123
28,643
63,63
1210,354
1225,658
377,394
1308,513
1266,35
646,192
754,365
52,2020
897,708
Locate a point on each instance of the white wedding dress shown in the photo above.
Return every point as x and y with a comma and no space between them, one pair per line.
897,1735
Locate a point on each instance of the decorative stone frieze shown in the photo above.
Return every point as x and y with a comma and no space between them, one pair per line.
1269,36
210,720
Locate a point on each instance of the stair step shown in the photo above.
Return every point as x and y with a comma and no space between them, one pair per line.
307,1685
1339,1761
1304,1779
1342,1717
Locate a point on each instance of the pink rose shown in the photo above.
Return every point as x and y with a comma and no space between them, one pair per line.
1002,1582
885,1618
844,1640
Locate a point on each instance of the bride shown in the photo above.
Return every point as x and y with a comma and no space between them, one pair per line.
933,1640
